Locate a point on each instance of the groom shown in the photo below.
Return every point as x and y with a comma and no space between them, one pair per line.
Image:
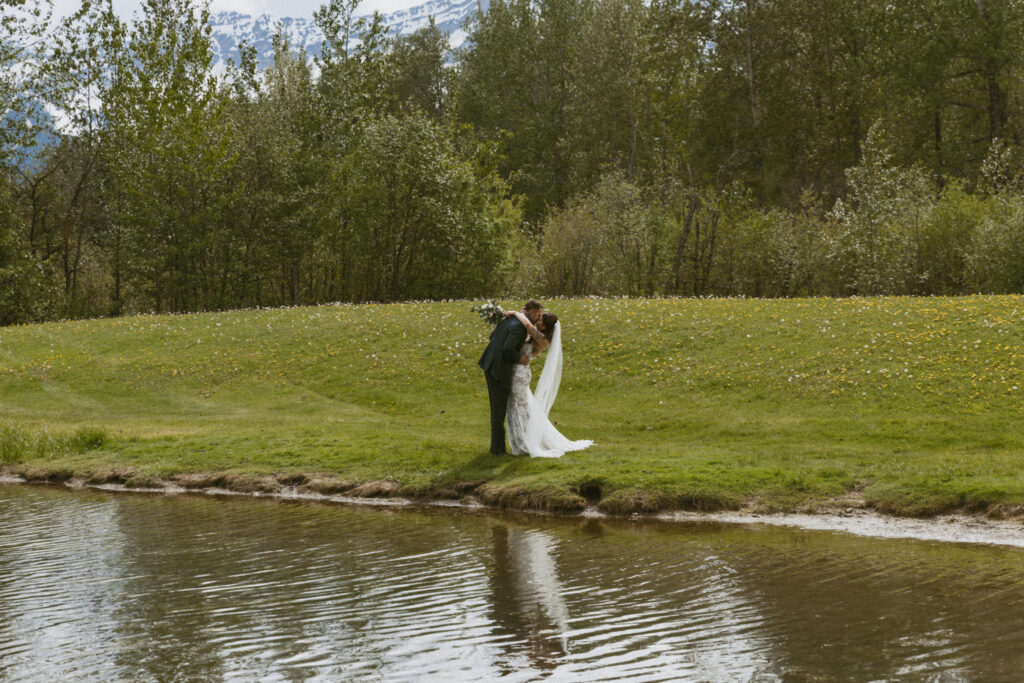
499,359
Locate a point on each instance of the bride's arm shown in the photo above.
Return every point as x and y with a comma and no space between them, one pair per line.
540,344
534,332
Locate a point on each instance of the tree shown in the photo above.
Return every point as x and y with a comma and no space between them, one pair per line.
877,249
23,25
517,76
78,74
424,220
421,76
25,292
173,157
275,240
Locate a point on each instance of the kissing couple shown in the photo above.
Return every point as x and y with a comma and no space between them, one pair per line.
516,340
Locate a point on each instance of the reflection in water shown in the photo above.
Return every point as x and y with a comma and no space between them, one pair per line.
528,598
97,586
910,610
43,599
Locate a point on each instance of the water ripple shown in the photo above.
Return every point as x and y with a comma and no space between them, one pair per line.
98,586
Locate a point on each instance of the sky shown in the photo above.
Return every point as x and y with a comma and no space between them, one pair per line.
292,8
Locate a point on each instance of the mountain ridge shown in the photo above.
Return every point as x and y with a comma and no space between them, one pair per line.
230,28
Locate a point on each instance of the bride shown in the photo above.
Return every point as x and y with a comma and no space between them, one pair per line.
529,429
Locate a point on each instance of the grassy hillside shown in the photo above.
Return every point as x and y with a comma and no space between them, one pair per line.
913,405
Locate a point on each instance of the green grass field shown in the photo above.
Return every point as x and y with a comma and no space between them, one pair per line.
912,405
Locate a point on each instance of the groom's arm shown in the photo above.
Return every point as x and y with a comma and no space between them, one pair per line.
513,343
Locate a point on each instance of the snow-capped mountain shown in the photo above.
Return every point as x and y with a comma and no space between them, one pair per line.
231,28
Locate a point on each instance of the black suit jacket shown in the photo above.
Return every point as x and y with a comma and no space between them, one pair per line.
502,354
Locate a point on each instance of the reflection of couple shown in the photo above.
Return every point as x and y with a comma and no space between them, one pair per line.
506,365
528,594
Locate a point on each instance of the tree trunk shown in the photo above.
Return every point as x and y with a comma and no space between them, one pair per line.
755,102
684,236
69,267
995,91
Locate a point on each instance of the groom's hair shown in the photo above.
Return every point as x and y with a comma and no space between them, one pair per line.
532,305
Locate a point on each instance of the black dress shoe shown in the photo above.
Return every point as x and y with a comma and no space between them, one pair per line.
499,452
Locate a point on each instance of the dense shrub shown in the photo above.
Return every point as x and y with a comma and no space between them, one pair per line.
27,291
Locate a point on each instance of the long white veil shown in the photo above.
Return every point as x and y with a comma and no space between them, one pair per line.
551,375
530,430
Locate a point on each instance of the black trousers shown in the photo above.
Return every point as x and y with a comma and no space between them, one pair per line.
499,394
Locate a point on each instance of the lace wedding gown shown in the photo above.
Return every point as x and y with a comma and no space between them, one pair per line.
529,429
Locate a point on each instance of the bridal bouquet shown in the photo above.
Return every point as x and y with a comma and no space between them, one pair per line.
490,312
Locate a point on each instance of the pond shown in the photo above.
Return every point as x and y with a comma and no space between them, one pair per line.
108,586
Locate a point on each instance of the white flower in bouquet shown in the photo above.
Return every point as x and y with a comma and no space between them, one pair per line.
490,312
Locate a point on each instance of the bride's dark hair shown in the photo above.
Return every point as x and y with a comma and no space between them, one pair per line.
550,319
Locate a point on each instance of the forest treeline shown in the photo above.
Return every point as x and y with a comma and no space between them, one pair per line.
571,147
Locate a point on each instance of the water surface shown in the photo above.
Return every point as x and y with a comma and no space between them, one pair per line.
103,586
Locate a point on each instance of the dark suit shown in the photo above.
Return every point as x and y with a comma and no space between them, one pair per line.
498,362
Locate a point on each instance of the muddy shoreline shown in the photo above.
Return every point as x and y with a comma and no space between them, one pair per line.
957,527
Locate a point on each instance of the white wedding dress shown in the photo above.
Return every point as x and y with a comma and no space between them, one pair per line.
529,429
